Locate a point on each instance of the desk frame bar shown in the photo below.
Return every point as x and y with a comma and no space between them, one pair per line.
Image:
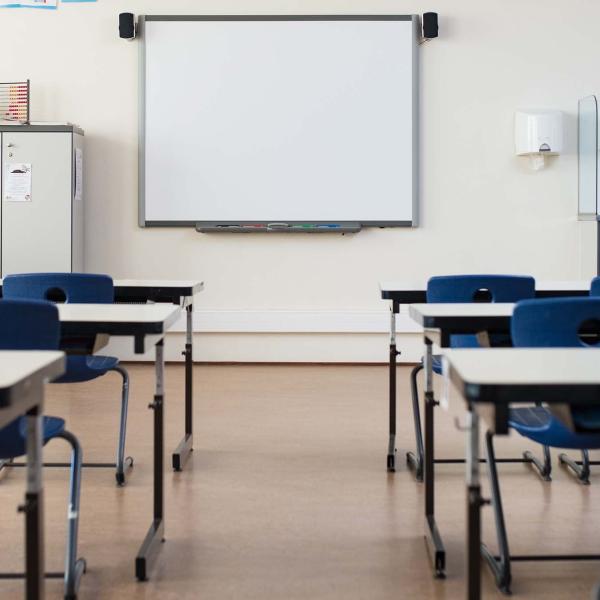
434,538
391,453
474,502
155,536
185,447
34,508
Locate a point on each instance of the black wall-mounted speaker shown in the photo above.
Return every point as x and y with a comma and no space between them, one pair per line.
127,26
430,25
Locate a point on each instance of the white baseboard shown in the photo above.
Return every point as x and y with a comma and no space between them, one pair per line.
286,336
297,321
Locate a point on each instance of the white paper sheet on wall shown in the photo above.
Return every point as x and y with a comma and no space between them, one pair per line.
17,187
78,173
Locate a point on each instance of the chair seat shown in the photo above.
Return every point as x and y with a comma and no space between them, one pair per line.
12,436
86,367
464,340
456,341
539,424
469,341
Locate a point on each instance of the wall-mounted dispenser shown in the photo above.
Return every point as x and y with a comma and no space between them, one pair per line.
538,133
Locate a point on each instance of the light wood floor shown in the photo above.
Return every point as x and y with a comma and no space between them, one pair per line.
286,495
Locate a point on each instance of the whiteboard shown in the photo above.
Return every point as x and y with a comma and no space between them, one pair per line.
278,118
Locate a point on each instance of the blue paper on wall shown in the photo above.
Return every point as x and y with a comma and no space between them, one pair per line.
30,4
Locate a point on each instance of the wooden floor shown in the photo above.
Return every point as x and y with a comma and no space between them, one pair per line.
286,495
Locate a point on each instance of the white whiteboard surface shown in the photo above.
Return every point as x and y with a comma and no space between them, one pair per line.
293,119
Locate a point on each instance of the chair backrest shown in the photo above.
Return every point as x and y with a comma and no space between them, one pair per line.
595,287
560,322
555,322
80,288
480,288
25,325
29,325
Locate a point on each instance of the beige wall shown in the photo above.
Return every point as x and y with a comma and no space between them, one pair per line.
481,208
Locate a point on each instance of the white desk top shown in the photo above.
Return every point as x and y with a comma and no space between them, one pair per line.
478,309
542,285
166,283
583,285
119,313
525,366
193,285
158,283
402,286
18,365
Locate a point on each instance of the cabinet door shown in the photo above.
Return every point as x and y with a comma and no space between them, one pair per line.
36,235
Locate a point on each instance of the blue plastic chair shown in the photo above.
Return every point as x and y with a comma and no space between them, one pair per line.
466,288
82,366
31,325
553,322
582,468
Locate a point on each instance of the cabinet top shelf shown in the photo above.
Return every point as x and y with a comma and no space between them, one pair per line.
39,127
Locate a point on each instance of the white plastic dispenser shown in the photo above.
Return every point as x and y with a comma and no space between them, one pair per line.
538,134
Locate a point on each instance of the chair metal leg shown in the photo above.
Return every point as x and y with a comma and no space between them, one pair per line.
74,567
543,468
580,468
414,460
120,472
500,565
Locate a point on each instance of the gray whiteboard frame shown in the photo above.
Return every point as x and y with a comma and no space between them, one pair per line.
142,222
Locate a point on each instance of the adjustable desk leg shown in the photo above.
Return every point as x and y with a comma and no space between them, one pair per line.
155,536
34,509
184,449
433,536
391,453
473,509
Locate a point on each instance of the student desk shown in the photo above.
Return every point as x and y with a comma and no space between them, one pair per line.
181,293
439,322
409,293
22,378
146,323
492,379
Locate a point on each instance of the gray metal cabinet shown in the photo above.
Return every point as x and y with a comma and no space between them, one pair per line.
45,232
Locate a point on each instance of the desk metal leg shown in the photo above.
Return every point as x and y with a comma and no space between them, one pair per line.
391,453
473,509
182,452
155,536
433,538
34,509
